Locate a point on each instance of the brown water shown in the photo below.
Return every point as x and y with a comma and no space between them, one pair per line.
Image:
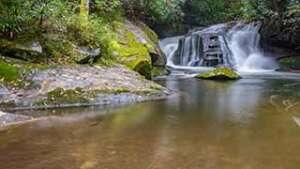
246,124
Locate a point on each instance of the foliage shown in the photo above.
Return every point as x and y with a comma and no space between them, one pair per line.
106,6
8,72
154,11
12,17
204,12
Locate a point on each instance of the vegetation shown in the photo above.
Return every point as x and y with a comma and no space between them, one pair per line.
221,73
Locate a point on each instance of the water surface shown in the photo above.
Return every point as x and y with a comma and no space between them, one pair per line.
247,124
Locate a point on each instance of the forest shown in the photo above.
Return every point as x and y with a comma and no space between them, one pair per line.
149,84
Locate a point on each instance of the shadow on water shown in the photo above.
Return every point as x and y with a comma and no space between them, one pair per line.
238,125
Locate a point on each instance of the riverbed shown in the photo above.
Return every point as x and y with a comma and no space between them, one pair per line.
244,124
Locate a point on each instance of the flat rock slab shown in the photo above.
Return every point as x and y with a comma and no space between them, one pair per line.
8,118
69,86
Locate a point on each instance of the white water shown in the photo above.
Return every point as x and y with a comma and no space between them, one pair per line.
243,42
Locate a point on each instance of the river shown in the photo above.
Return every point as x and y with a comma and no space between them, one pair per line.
245,124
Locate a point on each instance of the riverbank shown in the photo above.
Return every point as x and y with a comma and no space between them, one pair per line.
73,86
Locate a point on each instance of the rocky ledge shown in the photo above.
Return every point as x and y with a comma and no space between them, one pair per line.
69,86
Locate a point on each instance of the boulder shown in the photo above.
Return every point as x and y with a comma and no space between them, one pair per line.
137,47
25,51
83,55
221,73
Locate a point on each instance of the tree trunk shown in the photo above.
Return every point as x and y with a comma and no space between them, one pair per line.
84,12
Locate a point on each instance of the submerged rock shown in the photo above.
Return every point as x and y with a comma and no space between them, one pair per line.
221,73
8,118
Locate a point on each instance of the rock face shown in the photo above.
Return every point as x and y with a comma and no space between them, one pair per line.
279,38
137,48
221,73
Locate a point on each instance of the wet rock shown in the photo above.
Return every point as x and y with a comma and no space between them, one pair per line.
204,47
3,91
221,73
85,55
79,85
8,118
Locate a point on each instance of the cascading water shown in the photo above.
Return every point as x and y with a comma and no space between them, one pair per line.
237,47
244,43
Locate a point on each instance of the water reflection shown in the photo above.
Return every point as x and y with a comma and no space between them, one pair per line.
235,100
212,125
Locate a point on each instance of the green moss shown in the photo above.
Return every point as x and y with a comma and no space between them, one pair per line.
221,73
289,62
132,53
8,72
159,71
76,96
62,96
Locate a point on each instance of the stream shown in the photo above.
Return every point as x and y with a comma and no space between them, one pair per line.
244,124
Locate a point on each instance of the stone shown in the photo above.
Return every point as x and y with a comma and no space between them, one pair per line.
3,91
85,55
137,47
25,51
8,118
221,73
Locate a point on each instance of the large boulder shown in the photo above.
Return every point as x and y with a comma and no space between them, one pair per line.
29,51
221,73
137,47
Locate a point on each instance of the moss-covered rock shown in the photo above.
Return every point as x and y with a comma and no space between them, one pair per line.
136,46
221,73
159,71
132,53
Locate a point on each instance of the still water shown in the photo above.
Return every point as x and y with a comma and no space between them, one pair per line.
247,124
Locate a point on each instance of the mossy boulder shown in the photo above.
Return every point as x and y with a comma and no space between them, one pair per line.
136,46
221,73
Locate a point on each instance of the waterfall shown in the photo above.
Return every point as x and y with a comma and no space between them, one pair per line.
237,47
